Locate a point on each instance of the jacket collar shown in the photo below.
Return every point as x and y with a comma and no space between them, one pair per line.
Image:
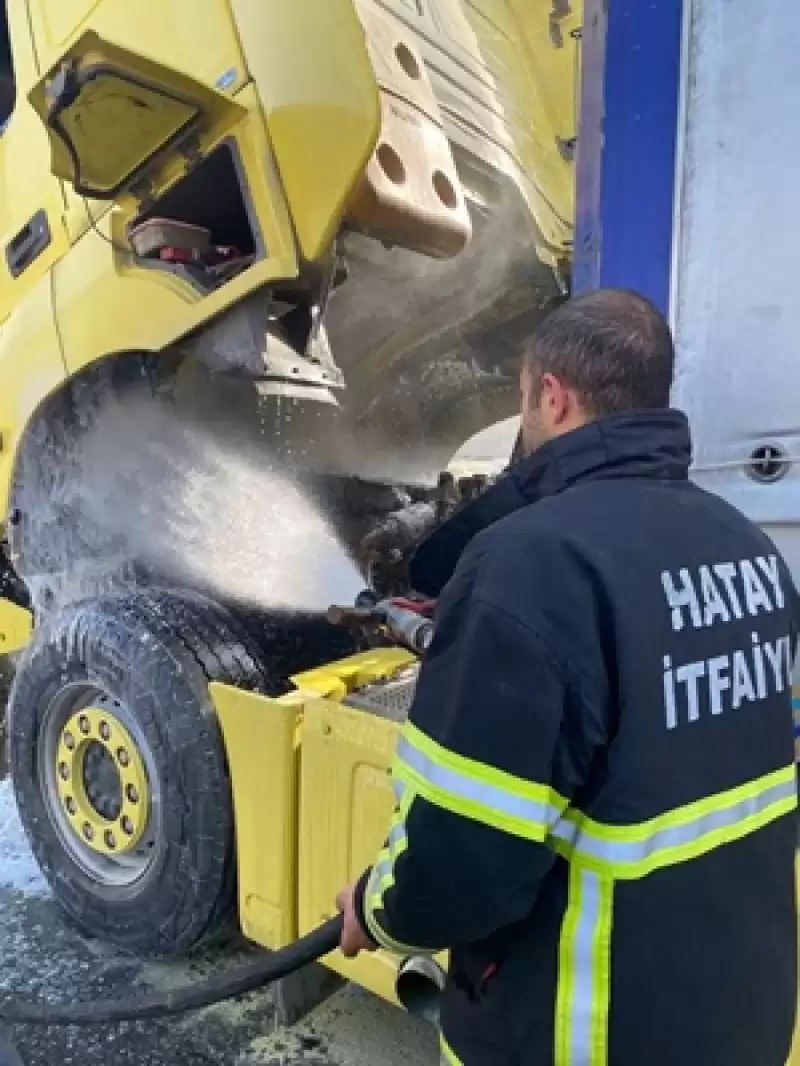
648,444
636,444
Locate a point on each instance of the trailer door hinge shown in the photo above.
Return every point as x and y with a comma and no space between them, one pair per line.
567,147
560,10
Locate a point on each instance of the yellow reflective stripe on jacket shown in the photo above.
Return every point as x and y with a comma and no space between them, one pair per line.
449,1057
601,854
685,833
584,965
373,901
474,790
381,878
598,855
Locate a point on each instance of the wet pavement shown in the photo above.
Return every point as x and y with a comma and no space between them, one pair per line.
42,958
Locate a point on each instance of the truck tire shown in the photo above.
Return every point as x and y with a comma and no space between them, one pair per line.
56,546
119,767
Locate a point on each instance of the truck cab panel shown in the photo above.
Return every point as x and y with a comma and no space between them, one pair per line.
406,140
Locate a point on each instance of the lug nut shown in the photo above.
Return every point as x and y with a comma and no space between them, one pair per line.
132,793
105,730
127,826
110,839
88,832
63,771
69,741
69,803
122,757
83,723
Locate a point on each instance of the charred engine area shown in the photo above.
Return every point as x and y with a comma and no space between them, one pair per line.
430,349
382,523
417,345
94,502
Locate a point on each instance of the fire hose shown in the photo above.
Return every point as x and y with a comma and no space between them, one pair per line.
240,980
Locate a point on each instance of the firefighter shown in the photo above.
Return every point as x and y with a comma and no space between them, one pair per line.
596,794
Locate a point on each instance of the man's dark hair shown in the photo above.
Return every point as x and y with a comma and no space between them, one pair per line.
613,347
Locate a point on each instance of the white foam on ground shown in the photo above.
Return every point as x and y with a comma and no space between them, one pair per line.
353,1028
18,869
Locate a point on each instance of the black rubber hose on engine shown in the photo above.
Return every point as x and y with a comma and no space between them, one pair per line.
200,994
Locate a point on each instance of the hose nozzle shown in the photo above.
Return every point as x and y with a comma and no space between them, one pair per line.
401,624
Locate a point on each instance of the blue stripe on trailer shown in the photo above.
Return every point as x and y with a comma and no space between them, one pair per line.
630,98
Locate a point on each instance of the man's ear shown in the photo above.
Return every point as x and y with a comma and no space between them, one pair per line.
558,399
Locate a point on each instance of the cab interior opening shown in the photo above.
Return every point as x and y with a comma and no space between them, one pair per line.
203,226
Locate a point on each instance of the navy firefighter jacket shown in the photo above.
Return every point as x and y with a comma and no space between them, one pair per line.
595,789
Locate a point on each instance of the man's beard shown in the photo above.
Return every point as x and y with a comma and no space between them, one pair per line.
534,434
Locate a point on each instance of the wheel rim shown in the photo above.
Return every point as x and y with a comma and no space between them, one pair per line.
98,780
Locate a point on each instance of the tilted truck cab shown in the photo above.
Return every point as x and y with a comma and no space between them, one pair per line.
317,231
331,224
373,140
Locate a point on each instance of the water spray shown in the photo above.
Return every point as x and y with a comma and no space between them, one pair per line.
149,489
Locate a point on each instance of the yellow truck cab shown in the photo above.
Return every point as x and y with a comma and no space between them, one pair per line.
266,190
314,231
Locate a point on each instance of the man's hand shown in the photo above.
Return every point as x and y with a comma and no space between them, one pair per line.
354,939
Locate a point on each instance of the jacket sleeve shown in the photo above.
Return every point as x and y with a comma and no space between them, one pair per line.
494,748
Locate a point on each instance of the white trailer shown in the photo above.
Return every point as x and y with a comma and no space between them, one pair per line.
687,186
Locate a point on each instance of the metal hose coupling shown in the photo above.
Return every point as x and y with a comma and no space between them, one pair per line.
407,627
419,985
395,618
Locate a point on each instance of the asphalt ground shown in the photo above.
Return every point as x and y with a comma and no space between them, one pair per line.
41,957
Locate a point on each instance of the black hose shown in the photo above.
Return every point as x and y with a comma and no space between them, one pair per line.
201,994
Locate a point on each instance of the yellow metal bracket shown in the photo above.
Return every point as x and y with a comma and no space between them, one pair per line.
291,762
261,739
16,627
335,680
345,805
